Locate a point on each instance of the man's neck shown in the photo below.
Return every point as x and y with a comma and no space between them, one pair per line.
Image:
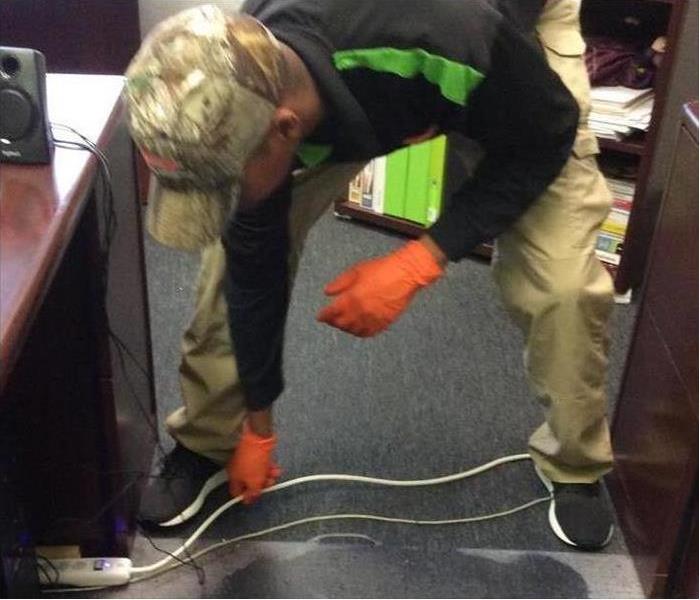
302,95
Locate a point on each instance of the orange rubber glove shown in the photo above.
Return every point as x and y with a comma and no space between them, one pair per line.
251,467
373,293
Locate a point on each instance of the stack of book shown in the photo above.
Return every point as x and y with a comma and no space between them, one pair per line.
618,112
612,234
407,184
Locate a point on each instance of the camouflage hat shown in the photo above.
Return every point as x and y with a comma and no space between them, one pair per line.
200,95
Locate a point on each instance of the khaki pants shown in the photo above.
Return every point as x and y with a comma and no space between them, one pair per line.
545,268
209,422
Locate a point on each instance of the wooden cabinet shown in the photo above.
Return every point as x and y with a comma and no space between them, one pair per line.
655,428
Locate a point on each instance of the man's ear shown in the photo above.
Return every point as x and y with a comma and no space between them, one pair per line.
288,125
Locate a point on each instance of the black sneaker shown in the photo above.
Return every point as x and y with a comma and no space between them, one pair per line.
177,492
579,513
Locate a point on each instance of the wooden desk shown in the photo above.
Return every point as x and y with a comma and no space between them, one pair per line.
41,205
76,412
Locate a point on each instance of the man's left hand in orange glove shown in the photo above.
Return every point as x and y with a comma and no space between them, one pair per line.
372,294
251,468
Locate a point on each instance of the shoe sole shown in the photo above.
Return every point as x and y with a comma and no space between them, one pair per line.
552,515
209,486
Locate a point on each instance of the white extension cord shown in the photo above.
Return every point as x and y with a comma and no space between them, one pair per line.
146,572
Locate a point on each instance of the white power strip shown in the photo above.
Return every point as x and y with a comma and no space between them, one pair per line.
86,572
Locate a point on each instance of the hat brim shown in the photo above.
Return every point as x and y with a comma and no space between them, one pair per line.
189,220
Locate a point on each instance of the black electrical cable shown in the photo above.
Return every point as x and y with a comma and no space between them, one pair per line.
110,224
189,561
117,340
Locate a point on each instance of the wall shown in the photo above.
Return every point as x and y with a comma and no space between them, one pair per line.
76,36
153,11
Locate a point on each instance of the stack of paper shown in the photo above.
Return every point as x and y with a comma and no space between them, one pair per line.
617,111
612,233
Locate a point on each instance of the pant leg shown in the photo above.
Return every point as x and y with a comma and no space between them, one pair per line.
213,402
556,289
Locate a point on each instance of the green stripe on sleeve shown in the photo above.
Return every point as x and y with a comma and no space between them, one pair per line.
313,154
455,80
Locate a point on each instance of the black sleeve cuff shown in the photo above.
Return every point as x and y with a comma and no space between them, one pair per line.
261,395
455,238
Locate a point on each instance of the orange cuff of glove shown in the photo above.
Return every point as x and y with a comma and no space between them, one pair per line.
420,261
251,468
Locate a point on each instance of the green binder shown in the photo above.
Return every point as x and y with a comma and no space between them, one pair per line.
395,183
436,181
417,183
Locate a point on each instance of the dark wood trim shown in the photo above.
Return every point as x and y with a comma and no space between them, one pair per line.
350,210
141,197
636,147
638,236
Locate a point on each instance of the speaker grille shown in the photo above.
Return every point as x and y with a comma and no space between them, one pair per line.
16,114
25,135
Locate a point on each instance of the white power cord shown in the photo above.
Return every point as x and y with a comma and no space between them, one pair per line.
317,519
162,566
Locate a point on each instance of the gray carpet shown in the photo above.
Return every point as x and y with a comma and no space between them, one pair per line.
440,392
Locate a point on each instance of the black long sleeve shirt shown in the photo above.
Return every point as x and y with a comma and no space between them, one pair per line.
390,71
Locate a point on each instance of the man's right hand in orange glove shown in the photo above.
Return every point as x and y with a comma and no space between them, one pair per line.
251,468
371,295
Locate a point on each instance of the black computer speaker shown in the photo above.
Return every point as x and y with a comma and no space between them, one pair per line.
25,136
